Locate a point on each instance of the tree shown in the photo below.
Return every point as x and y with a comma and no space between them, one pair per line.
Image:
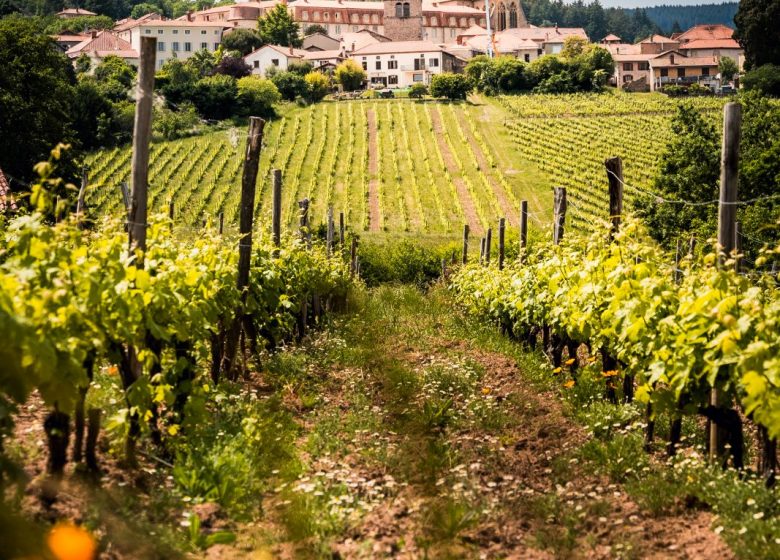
142,9
727,68
36,94
216,96
289,84
418,91
233,66
451,86
676,27
573,46
175,124
764,79
115,77
314,28
301,68
350,75
758,31
83,65
317,86
176,81
257,96
277,27
203,61
243,41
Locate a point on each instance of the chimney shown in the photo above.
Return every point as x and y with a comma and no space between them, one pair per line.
189,15
93,34
291,49
353,46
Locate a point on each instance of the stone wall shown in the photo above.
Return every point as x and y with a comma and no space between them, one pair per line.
403,28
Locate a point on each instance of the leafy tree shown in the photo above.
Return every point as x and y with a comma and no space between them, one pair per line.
233,66
502,74
175,124
317,86
115,77
418,91
314,28
142,9
243,41
727,68
301,68
764,79
277,27
83,65
216,96
758,31
203,61
289,84
350,75
176,81
78,24
36,93
257,96
573,46
451,86
92,114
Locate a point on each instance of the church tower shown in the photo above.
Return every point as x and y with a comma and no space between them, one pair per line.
403,20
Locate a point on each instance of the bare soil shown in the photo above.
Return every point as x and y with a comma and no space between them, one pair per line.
373,182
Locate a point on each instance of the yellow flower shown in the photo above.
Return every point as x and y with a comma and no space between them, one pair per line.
610,373
69,542
569,384
570,361
557,370
113,370
486,390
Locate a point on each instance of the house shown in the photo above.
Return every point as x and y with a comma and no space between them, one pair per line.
353,41
74,12
175,38
548,39
710,40
243,15
325,60
675,68
631,65
399,64
611,39
273,56
656,44
100,44
128,23
507,44
320,42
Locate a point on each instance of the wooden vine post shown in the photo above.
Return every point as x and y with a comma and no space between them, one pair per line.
727,213
523,227
276,218
221,222
142,135
465,243
353,257
501,235
246,216
488,243
559,213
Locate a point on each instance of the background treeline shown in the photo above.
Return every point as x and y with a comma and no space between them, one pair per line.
631,25
115,9
679,18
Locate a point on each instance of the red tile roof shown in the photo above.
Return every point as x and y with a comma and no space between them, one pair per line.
397,47
105,43
711,44
698,32
658,39
611,37
75,12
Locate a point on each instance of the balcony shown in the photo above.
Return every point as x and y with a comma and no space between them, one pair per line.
413,68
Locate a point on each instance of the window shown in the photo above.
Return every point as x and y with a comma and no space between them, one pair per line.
628,78
216,32
256,63
175,46
159,31
216,46
275,61
378,64
392,80
705,71
452,33
392,65
366,19
315,16
433,62
501,17
186,31
175,31
628,66
434,22
527,57
148,31
664,72
417,77
326,16
202,31
365,65
419,64
204,46
355,28
305,15
188,47
160,46
681,72
643,66
338,29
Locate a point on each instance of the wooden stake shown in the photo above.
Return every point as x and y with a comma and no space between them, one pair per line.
501,235
615,177
341,231
729,169
488,244
465,243
523,226
559,213
276,220
221,222
304,222
125,196
353,257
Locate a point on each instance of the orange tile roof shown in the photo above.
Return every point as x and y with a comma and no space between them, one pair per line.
711,44
105,43
75,12
685,61
698,32
658,39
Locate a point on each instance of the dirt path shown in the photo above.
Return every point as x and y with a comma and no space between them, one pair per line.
373,181
469,210
509,211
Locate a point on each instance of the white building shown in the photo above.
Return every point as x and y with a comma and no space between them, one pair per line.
275,56
400,64
175,38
